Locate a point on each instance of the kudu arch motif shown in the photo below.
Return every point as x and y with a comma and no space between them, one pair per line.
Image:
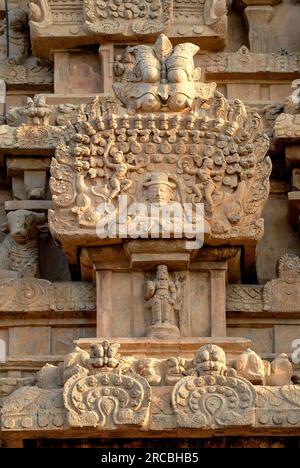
101,390
170,125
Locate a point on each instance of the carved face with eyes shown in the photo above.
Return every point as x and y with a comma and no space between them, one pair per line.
159,194
211,359
159,190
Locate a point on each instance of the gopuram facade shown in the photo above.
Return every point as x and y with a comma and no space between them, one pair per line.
150,222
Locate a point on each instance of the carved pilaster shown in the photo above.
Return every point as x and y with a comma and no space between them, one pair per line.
258,18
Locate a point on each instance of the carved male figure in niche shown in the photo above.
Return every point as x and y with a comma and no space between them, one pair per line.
161,297
119,180
206,188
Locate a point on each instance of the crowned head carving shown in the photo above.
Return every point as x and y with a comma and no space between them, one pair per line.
159,190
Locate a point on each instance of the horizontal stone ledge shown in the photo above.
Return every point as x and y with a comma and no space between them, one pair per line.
31,205
166,348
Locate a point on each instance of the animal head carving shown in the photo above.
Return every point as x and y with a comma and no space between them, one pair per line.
23,224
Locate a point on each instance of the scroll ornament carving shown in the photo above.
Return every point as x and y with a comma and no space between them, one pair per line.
214,397
283,294
40,13
33,408
243,298
278,406
102,391
115,17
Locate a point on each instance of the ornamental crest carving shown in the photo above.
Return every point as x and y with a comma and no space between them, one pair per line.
213,397
122,17
187,146
101,390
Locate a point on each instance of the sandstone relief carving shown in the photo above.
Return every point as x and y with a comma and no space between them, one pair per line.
38,295
19,252
244,298
245,61
205,18
205,21
276,373
215,397
35,130
33,408
277,406
119,17
214,155
101,388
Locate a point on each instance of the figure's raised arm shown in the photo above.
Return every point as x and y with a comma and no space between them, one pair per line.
106,153
187,169
150,289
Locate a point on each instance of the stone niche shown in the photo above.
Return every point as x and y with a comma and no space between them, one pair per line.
130,279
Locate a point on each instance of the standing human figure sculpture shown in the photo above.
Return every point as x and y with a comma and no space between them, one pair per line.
161,297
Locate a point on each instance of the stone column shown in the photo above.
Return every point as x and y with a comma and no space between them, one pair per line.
258,18
2,100
106,55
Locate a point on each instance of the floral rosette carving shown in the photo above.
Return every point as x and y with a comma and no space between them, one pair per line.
103,391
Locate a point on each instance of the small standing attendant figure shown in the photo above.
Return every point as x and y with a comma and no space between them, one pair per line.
161,297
